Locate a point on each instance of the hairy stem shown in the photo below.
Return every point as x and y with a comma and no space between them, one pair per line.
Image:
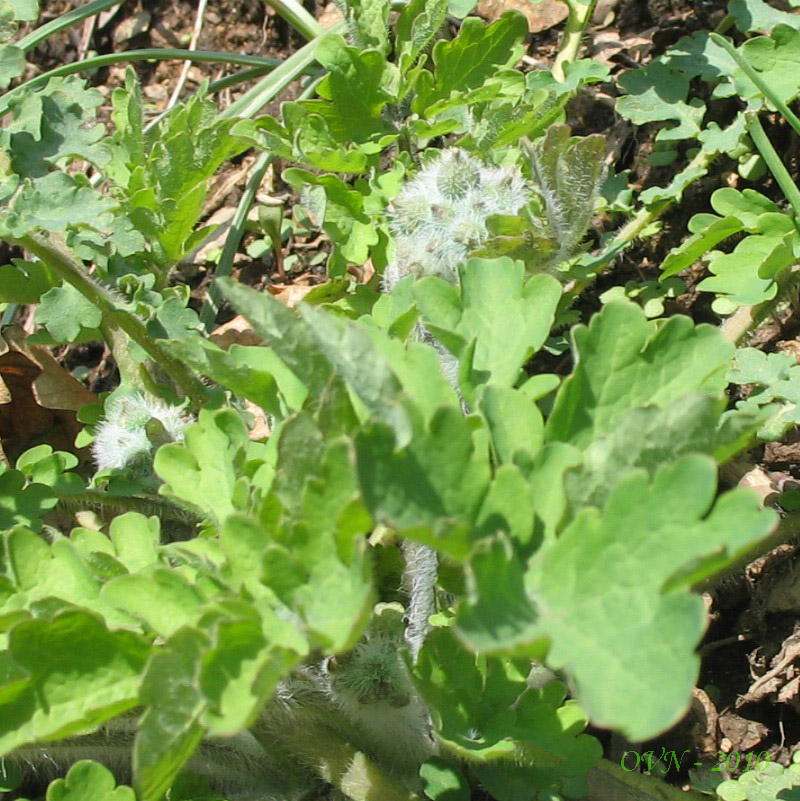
609,782
422,564
149,505
61,262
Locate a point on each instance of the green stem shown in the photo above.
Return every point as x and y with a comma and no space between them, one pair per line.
61,262
235,78
296,15
725,24
148,505
147,54
773,161
577,20
211,306
252,101
609,782
762,85
27,43
643,218
746,318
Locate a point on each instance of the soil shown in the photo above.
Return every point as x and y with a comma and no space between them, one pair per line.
748,696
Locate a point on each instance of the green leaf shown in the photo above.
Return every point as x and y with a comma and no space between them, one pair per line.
508,318
496,614
66,313
756,15
255,373
443,781
239,674
747,206
204,470
472,58
80,674
57,571
438,477
688,252
418,368
290,338
508,506
648,437
342,209
24,10
170,729
567,174
484,711
135,538
55,202
328,575
656,93
746,276
624,361
23,505
354,97
777,391
771,782
24,281
12,64
651,541
164,600
55,123
351,351
418,23
514,422
89,780
773,56
167,185
367,23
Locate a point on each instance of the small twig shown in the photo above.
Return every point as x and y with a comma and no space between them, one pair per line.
176,92
86,35
713,646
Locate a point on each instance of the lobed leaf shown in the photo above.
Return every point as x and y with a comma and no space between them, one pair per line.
612,590
624,361
78,674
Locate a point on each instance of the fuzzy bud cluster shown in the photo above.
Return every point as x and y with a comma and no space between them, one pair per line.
132,428
440,216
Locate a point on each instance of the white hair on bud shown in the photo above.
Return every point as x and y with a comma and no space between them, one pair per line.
121,438
440,215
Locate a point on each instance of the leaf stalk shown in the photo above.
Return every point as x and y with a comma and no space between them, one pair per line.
577,21
61,262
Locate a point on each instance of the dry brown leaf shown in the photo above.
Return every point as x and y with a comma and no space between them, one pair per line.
744,734
261,427
705,717
133,25
237,331
780,673
38,399
290,294
541,16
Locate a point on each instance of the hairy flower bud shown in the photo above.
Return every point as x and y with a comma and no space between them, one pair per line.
133,426
440,215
